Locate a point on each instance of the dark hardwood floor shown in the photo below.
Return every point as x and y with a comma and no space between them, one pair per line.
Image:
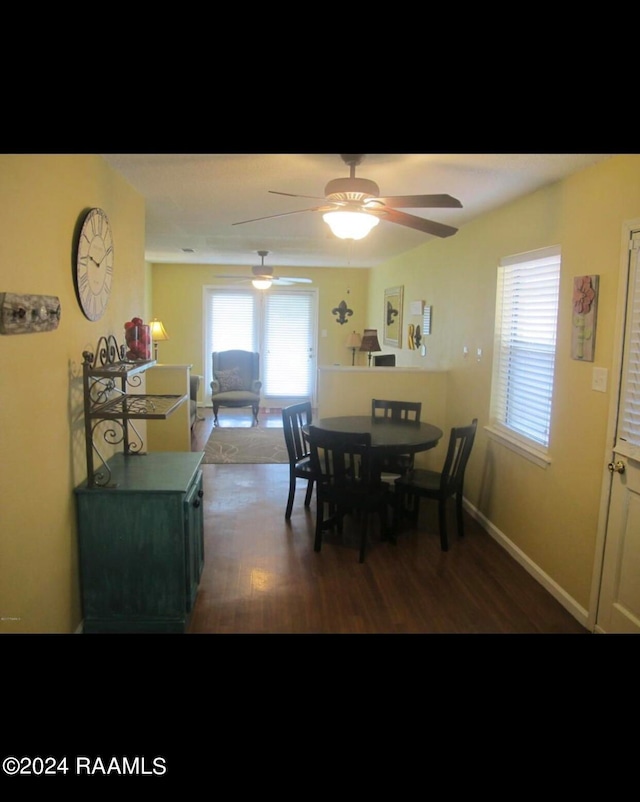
261,575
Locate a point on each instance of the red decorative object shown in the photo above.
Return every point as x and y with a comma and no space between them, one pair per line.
137,337
583,295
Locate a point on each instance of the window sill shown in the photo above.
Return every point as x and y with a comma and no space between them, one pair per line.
521,447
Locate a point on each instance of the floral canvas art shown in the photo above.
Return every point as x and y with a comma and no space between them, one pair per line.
585,305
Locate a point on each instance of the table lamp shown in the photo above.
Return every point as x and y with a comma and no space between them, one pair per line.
353,342
370,342
158,332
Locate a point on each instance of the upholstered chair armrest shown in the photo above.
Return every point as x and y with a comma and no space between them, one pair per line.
256,384
215,387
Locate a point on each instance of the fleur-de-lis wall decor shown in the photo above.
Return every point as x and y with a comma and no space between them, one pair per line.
342,311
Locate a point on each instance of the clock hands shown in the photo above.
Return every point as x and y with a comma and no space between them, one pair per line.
104,256
97,264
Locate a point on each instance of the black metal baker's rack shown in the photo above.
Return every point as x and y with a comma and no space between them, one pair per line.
107,378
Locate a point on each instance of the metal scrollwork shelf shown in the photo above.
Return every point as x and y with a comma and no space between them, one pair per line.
107,377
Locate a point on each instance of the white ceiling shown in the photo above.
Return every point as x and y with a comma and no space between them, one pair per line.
192,201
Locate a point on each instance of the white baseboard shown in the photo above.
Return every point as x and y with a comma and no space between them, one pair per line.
568,602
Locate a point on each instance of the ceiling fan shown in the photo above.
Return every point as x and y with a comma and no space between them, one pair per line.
262,276
360,198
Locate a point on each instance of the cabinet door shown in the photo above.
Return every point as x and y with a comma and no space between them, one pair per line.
194,539
132,559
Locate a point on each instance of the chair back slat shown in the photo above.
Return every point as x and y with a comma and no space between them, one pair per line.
396,410
339,458
458,452
294,418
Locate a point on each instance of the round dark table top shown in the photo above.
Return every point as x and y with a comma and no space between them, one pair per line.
390,437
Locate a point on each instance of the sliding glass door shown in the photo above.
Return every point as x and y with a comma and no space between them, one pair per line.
280,324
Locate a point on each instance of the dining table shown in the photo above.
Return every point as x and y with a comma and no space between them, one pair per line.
387,436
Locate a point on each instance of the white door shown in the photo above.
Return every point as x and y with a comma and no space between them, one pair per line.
288,350
619,598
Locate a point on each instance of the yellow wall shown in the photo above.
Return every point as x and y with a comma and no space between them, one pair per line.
42,197
178,303
552,514
348,391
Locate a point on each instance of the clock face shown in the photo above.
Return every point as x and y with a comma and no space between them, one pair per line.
94,264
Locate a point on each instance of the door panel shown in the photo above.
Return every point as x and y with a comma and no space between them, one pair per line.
619,598
619,609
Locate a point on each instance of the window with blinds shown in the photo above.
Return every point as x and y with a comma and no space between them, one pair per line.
629,423
231,320
525,348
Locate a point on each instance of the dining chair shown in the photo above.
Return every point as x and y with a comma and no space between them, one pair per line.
294,417
396,410
439,485
346,483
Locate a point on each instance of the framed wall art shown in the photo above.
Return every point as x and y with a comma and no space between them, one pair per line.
392,332
585,308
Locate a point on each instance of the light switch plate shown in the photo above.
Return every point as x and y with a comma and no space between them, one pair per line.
25,314
599,380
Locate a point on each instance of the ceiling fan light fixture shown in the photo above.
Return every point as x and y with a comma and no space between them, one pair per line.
261,283
350,225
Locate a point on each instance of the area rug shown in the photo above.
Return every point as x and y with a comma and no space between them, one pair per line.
245,445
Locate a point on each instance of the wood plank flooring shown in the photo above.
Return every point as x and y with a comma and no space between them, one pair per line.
261,575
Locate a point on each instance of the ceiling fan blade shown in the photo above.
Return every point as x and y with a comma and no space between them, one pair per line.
291,195
419,223
420,201
268,217
267,277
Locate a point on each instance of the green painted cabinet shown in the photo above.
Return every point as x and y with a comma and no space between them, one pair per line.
141,543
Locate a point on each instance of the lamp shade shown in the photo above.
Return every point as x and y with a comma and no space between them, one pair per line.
370,341
158,331
350,225
353,340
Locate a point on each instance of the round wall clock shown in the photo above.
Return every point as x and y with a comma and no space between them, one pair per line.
94,264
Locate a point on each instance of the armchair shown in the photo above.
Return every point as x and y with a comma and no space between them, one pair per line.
235,381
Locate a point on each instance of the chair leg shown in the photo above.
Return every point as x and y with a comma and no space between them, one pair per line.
398,506
216,407
388,529
411,508
307,498
317,543
442,518
292,493
256,409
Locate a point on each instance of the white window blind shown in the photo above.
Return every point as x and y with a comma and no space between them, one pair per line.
230,323
231,320
288,345
526,319
629,425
